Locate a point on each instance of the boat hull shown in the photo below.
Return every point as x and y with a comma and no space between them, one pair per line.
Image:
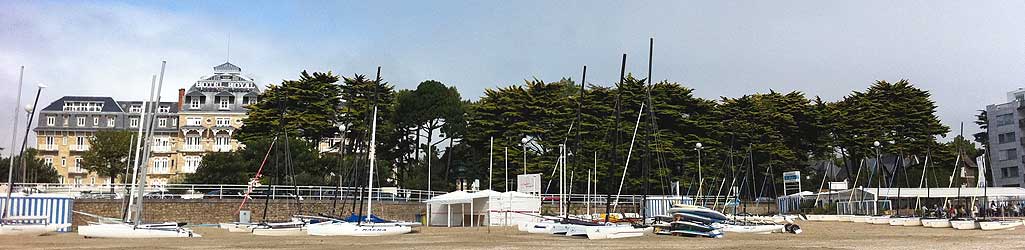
936,223
353,229
845,217
912,222
121,230
879,220
999,225
30,229
751,229
964,224
860,219
613,232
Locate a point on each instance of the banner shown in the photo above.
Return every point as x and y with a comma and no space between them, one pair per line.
528,183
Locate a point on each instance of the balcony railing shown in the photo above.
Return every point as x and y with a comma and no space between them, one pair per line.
48,147
222,148
192,148
77,170
162,149
79,147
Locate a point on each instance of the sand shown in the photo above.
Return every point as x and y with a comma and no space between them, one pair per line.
817,235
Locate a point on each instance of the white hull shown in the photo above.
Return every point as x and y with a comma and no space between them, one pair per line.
879,220
823,217
845,217
860,218
122,230
30,229
964,224
577,230
752,229
353,229
292,231
936,223
912,222
897,221
238,227
999,225
541,228
613,232
560,228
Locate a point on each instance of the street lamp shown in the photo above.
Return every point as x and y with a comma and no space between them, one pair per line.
524,142
875,206
701,181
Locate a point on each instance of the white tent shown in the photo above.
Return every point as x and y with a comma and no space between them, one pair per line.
461,208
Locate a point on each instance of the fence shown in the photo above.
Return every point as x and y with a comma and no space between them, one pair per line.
227,191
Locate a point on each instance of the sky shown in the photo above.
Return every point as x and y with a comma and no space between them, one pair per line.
967,54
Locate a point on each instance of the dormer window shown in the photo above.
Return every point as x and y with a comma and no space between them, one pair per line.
194,103
224,103
80,106
135,109
165,109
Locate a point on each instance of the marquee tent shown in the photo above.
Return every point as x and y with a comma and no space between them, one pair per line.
486,207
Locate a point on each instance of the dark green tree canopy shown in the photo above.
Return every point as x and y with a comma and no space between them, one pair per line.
307,108
108,153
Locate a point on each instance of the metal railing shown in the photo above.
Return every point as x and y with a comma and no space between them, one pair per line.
227,191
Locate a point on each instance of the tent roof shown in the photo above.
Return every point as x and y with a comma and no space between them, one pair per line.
467,197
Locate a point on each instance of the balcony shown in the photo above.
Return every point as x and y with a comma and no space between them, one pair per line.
77,170
162,149
48,147
79,147
192,148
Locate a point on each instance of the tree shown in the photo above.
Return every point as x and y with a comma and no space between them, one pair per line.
307,108
108,153
36,171
238,167
431,107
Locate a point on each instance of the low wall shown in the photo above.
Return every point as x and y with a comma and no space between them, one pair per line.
208,211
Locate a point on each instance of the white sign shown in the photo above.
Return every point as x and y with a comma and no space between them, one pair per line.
792,177
528,183
837,185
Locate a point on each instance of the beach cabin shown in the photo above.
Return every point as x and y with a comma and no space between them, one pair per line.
482,208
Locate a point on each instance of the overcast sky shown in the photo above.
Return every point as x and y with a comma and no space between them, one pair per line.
966,53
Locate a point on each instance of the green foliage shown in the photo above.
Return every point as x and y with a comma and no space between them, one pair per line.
36,171
431,107
308,166
108,153
307,108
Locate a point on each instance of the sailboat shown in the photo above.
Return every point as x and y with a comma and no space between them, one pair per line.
22,225
115,228
366,227
992,224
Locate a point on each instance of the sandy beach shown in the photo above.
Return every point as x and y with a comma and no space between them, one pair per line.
817,235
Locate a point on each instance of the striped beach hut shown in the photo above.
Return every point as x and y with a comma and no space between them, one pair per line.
56,207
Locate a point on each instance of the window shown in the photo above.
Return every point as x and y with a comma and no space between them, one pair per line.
78,166
192,143
174,122
134,122
194,121
1005,138
110,122
83,106
222,143
1009,172
64,162
96,121
164,109
194,103
223,121
78,180
224,103
1008,154
162,122
135,109
80,141
50,120
1004,119
80,121
48,161
160,165
64,140
49,143
191,164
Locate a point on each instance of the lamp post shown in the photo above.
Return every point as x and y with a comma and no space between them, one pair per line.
875,205
524,142
701,180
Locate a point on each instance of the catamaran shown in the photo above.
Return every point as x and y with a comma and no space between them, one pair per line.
116,228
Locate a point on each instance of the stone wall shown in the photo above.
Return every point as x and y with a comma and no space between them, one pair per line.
207,211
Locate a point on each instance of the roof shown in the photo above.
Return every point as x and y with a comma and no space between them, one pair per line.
173,105
886,193
109,105
227,67
467,197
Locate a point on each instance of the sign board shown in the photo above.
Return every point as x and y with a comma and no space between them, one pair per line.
528,183
792,177
837,185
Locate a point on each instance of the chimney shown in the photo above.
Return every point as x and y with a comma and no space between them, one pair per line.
181,99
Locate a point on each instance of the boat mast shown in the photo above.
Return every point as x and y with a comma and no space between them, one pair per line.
14,136
373,148
647,138
138,150
146,152
615,140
